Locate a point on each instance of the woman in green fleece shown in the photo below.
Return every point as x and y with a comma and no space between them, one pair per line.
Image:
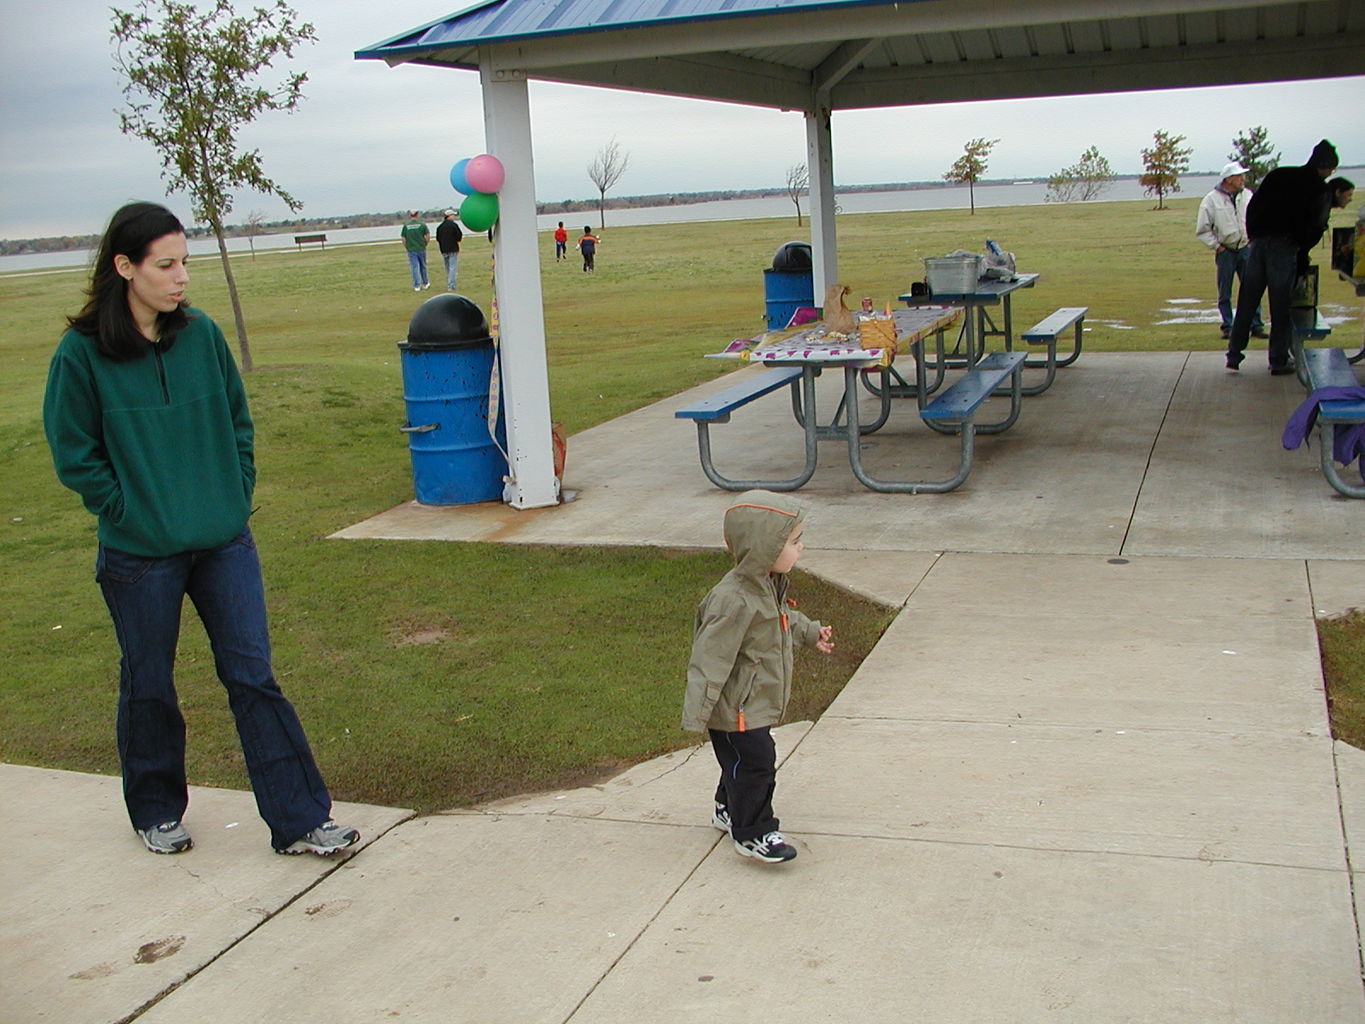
739,678
147,420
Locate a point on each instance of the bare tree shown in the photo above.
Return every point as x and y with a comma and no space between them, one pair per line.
254,220
605,171
970,166
798,184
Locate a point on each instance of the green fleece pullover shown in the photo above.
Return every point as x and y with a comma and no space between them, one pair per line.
744,629
159,448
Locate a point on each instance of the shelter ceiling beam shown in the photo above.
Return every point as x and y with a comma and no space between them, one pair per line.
838,65
710,76
1266,60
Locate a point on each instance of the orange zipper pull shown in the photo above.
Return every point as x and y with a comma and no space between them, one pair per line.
740,720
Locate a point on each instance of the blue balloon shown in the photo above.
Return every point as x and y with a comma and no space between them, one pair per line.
457,179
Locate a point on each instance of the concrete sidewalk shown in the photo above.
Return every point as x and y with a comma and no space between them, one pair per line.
1085,776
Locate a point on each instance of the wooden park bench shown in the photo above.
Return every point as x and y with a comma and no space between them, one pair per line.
302,240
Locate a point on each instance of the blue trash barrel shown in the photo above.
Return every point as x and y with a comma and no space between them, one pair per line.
789,285
447,363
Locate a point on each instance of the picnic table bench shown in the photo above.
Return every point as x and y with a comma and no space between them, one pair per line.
302,240
1045,332
952,412
1329,368
717,409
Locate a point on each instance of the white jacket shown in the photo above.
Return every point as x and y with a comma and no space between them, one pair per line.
1222,219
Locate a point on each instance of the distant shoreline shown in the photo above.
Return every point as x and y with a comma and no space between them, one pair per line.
758,204
659,200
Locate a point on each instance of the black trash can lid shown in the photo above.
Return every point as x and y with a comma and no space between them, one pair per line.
792,256
447,321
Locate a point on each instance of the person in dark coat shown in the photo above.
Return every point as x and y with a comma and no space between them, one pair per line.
1285,219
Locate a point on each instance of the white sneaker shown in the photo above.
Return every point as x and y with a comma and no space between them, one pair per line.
771,849
168,837
326,839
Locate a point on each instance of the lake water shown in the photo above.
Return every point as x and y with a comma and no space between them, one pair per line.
938,197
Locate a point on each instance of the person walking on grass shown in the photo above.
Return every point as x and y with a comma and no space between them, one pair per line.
1221,224
147,421
739,677
587,245
561,243
448,235
415,238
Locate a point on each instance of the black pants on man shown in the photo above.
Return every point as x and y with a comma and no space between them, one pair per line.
1272,264
748,776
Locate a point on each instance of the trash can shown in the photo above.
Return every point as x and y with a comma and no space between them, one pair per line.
789,285
447,364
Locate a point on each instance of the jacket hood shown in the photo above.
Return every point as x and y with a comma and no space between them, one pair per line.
757,526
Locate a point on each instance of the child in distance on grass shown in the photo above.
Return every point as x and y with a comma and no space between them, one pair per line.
740,673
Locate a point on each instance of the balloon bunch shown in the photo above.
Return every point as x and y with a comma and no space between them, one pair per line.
478,179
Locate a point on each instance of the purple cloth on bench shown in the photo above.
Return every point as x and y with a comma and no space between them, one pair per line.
1350,440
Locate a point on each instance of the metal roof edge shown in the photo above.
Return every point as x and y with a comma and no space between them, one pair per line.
378,51
385,50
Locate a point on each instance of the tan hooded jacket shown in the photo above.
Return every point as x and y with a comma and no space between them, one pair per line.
744,629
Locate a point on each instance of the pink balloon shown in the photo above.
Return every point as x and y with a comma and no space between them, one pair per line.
485,173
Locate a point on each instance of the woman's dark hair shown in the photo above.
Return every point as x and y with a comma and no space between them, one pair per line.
106,317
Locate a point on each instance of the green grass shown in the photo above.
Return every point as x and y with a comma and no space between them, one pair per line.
1343,669
434,674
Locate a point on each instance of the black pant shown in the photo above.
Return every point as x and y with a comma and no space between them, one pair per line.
748,776
1271,266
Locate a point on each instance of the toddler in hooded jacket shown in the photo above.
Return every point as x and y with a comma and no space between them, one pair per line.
740,674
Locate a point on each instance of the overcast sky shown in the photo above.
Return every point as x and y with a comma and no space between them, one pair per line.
371,138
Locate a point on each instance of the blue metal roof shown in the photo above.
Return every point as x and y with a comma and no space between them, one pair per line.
501,21
849,54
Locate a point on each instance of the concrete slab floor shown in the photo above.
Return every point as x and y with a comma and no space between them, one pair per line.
1253,798
1143,674
95,926
862,929
454,918
1152,453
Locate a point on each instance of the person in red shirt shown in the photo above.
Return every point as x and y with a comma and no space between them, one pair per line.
561,243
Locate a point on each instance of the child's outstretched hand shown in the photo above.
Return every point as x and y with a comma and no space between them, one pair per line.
825,645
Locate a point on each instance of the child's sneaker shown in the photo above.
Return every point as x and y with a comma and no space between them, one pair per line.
720,817
326,839
772,848
168,837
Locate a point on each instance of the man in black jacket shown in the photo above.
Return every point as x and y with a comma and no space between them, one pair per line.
448,235
1285,219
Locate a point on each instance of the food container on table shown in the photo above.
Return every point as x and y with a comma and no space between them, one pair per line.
952,275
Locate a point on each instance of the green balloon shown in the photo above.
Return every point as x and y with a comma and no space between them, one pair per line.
479,211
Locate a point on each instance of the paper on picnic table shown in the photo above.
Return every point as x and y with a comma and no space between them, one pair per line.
806,344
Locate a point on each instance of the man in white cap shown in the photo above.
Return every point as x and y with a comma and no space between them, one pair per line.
1222,226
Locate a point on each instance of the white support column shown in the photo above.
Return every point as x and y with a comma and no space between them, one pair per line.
525,380
820,163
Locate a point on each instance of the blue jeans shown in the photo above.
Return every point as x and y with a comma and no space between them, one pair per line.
417,263
1228,264
1271,266
452,262
145,596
